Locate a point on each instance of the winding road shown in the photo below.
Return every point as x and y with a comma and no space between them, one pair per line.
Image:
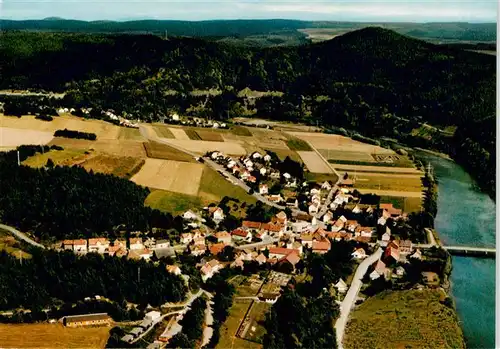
20,235
350,298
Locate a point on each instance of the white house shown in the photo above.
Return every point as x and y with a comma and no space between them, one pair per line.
359,253
162,244
301,226
381,221
98,245
315,191
263,171
267,157
153,316
218,214
80,246
327,217
313,208
136,244
263,189
189,215
326,186
256,155
175,117
341,286
174,269
287,175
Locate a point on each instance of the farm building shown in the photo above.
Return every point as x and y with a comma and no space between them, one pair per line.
97,319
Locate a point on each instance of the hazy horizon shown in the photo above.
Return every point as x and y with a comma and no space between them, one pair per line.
414,11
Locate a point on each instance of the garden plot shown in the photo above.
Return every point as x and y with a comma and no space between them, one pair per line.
314,162
179,177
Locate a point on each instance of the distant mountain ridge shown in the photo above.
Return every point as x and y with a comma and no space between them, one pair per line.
477,32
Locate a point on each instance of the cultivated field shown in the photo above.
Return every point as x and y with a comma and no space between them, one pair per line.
121,166
213,187
162,151
331,154
52,336
417,317
13,137
201,147
391,182
400,193
208,135
339,143
257,316
174,203
102,129
163,131
115,147
314,162
178,133
9,244
407,204
132,134
228,339
179,177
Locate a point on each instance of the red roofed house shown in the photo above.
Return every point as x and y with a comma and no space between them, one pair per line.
393,212
116,250
339,224
379,270
321,247
351,225
251,226
281,218
391,254
80,246
261,259
359,253
98,245
215,249
279,252
263,189
240,235
306,239
274,229
363,231
289,261
405,247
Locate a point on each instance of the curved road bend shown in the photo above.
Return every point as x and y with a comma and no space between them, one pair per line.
146,133
350,298
20,235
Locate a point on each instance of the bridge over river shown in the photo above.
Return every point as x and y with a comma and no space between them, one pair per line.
471,251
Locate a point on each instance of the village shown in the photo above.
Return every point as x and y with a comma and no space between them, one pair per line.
278,245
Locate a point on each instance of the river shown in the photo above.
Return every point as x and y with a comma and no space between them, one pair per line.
467,217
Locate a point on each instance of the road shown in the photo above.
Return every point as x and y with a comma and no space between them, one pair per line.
236,181
352,294
20,235
335,186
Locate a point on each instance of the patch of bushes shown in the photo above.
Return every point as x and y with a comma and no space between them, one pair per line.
75,134
44,117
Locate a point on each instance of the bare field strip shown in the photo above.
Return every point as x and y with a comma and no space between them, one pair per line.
102,129
210,136
13,137
163,131
52,336
179,177
375,169
408,194
331,154
158,150
314,162
368,175
201,147
341,143
178,133
116,147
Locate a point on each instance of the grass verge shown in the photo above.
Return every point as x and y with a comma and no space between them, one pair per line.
298,144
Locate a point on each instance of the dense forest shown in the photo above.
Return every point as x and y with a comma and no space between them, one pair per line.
50,277
61,202
374,81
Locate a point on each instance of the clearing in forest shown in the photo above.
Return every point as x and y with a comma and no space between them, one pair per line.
179,177
42,335
58,157
314,162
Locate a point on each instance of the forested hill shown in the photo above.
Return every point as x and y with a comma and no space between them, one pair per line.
361,80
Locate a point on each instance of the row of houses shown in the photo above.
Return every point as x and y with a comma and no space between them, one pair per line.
395,252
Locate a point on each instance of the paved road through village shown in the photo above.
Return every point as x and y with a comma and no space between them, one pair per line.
350,298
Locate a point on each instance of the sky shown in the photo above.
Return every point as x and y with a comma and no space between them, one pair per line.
334,10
